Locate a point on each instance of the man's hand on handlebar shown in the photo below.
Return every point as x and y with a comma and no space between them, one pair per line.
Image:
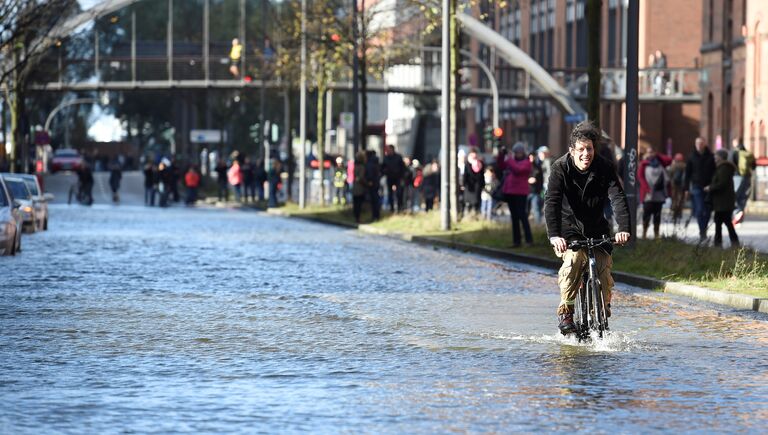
622,238
559,244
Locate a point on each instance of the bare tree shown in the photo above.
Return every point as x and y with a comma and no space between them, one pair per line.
25,26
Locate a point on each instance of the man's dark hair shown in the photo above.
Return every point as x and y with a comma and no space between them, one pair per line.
585,130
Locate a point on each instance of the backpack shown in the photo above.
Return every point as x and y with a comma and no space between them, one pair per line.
657,181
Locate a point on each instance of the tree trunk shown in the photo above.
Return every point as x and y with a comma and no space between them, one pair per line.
594,9
288,134
16,105
363,86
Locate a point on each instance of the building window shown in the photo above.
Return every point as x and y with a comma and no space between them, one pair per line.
581,35
612,16
711,16
728,36
758,59
710,118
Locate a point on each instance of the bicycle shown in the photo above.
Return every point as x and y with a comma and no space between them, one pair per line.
586,317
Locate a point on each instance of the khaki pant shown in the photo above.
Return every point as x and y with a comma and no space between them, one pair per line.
569,277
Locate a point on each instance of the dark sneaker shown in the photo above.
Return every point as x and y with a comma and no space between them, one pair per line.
566,324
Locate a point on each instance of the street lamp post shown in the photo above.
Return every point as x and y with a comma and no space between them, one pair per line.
445,132
303,109
630,141
355,91
58,108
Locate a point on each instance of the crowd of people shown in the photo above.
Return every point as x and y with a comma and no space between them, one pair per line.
516,180
238,177
718,185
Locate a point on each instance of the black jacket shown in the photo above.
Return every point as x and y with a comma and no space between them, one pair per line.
393,168
699,168
573,213
721,190
473,184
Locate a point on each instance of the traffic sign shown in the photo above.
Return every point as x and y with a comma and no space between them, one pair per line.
573,118
205,136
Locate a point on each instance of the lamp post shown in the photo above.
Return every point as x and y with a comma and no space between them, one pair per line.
58,108
303,109
445,132
630,140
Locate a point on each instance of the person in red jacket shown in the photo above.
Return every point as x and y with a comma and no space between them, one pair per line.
516,169
235,178
192,181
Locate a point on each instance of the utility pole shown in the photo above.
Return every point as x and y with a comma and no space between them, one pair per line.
454,109
630,141
355,90
262,94
594,10
445,128
301,161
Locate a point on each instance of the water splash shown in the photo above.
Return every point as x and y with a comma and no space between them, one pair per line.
612,341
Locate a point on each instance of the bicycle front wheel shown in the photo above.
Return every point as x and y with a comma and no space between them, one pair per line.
599,321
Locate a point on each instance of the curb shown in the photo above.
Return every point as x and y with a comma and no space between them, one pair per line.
735,300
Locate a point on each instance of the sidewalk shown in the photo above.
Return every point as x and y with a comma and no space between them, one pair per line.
735,300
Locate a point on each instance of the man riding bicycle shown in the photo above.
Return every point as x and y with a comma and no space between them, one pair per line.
580,184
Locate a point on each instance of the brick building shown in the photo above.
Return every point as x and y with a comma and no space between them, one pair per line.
735,79
554,33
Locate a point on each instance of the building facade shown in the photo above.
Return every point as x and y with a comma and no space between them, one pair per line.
734,79
555,32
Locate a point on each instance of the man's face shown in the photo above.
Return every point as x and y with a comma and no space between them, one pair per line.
582,153
700,145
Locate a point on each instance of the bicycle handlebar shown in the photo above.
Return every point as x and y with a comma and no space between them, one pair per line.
591,242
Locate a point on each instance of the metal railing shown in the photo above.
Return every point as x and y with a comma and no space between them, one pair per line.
189,71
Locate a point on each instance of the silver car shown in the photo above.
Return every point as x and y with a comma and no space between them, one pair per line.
19,192
10,222
39,199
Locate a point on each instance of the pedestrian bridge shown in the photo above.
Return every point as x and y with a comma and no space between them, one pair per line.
91,60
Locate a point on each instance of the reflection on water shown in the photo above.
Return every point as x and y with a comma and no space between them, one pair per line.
210,321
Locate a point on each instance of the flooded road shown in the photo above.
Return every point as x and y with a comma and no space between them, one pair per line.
126,319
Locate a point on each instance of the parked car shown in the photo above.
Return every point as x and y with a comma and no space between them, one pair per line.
39,198
19,192
66,159
10,222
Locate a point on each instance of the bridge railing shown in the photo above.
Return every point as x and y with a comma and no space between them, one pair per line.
125,68
673,84
655,84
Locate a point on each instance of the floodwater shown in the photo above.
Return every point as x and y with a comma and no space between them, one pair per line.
132,319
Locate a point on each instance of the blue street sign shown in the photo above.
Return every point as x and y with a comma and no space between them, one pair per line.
574,118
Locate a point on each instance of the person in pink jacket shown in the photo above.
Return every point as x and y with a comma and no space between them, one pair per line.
516,169
235,178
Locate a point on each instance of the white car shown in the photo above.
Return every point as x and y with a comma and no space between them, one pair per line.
19,192
10,223
39,198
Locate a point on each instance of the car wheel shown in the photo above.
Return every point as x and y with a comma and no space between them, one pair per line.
18,245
